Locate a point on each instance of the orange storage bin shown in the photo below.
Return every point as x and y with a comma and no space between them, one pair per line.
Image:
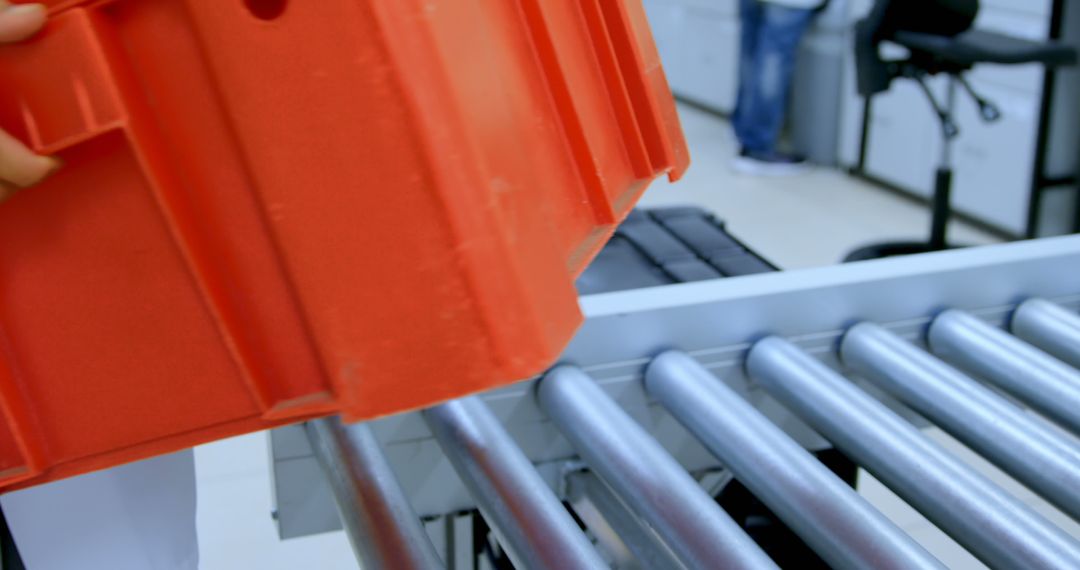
272,210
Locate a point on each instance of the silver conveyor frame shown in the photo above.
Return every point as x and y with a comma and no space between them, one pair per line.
715,322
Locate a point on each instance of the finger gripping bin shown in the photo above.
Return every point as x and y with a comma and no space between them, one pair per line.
272,210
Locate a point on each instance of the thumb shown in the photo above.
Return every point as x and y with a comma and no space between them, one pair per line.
19,166
20,21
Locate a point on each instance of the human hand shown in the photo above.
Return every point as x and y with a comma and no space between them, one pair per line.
19,166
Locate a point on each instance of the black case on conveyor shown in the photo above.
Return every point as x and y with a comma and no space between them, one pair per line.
669,245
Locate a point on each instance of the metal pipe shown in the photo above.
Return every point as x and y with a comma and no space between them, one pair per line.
995,526
1049,327
529,521
950,136
379,521
651,483
1003,433
1043,382
644,548
845,530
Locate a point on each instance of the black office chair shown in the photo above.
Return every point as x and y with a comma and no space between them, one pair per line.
939,37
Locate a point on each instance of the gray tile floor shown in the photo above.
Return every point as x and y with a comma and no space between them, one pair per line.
808,221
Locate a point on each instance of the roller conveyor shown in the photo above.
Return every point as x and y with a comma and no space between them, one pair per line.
1012,365
647,479
381,525
615,457
529,520
824,510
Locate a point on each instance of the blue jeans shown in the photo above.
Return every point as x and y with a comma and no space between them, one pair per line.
770,41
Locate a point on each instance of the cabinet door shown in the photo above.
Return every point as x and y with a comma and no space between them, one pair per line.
905,138
994,161
1027,78
1033,7
711,49
851,106
726,8
666,20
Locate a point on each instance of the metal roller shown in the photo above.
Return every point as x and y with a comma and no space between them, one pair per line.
996,527
529,521
1049,327
644,549
651,483
845,530
379,521
1003,433
1041,381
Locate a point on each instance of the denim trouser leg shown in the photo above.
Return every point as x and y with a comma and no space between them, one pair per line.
750,16
770,41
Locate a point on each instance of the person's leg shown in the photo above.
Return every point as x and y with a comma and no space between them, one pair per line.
750,16
779,33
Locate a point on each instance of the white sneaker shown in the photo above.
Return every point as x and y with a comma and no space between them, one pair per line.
769,164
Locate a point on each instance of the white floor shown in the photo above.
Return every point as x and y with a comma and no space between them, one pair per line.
799,222
235,527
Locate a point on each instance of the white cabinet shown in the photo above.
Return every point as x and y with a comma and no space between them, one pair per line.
904,144
994,161
727,8
1027,78
851,106
1034,7
698,42
712,51
667,19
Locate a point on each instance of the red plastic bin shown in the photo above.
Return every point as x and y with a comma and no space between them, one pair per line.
272,210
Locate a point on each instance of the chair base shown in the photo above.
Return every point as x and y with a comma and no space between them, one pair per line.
893,249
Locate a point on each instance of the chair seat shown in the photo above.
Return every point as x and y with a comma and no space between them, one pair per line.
978,46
